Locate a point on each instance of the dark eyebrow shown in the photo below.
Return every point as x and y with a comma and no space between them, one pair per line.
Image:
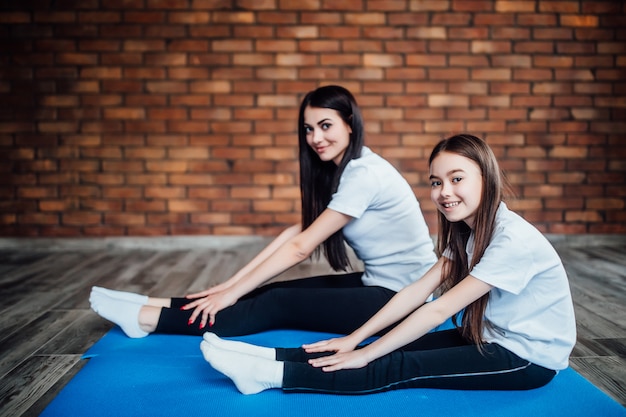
323,120
454,171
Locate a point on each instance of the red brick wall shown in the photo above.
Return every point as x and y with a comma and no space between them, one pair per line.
168,117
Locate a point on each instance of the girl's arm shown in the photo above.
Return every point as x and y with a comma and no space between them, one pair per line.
417,324
291,252
400,306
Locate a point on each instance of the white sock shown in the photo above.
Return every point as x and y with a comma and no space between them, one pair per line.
251,374
121,312
122,295
240,347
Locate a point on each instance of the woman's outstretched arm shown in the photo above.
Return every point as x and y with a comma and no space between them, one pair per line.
290,250
265,253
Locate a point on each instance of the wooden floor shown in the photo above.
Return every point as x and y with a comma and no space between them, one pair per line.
46,324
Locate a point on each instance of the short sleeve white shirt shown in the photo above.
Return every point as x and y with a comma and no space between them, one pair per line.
530,307
388,232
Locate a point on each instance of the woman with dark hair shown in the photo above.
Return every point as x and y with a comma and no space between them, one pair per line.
349,195
517,330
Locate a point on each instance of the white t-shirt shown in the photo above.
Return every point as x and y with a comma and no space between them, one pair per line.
388,232
530,307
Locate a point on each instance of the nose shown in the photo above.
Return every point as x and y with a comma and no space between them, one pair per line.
446,189
318,136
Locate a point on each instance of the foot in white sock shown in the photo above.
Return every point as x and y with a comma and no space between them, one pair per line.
121,312
250,374
240,347
122,295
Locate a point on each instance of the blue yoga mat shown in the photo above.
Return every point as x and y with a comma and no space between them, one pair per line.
166,375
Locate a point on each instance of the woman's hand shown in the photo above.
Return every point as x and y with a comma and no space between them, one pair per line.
210,304
347,360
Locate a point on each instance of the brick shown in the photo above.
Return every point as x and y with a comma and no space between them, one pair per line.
146,100
165,59
468,33
191,18
147,179
491,74
144,73
579,20
187,206
166,166
490,47
191,179
252,59
448,100
522,47
188,153
554,34
167,114
428,33
76,58
101,72
250,192
145,206
80,218
446,47
232,46
122,58
605,203
166,192
166,87
585,216
298,32
210,31
124,219
121,31
57,127
211,218
124,113
524,6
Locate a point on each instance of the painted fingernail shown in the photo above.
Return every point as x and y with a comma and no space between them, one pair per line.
190,322
201,325
211,324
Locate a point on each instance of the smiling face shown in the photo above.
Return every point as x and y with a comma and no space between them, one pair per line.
456,187
326,133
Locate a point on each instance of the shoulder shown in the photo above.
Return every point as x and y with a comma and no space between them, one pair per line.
369,163
519,242
514,228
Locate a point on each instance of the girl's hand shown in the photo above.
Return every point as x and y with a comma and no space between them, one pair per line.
209,305
337,345
349,360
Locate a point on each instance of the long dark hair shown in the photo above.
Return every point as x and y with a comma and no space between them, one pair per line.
320,179
454,236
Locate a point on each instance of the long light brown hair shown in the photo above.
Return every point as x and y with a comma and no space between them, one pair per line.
454,236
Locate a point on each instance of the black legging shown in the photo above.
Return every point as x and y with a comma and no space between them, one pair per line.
330,303
440,359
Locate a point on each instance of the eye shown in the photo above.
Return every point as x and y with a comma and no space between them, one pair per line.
325,126
435,183
307,129
456,179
